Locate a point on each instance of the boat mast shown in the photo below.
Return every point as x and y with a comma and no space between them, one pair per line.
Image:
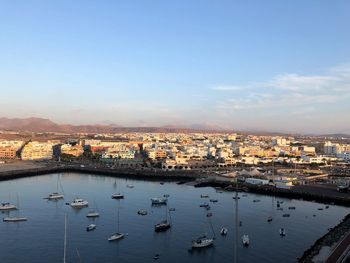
236,223
118,217
65,239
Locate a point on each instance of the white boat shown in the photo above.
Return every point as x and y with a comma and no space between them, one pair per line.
7,206
224,231
129,186
79,203
55,196
202,242
159,201
245,240
93,214
91,227
282,232
204,196
14,219
116,236
118,196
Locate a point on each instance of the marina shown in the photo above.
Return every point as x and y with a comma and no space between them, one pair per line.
190,226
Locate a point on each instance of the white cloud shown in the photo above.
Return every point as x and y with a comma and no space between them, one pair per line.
227,88
288,91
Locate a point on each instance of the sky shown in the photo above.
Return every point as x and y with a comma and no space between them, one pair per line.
246,65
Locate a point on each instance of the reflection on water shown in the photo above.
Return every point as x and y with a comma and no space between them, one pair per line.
40,239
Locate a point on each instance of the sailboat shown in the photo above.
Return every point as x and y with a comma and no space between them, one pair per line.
79,203
118,235
204,241
7,206
165,224
55,195
118,195
93,213
16,218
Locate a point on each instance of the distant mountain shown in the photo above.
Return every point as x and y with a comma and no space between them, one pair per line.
46,125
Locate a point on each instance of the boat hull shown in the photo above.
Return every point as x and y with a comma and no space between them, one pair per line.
14,219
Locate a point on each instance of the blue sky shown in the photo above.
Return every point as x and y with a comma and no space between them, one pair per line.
248,65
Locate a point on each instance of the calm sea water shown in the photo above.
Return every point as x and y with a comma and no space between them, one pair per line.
40,239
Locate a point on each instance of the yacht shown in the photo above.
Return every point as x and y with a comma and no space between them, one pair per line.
55,196
202,242
159,201
116,236
93,214
162,226
224,231
282,232
14,219
7,206
118,196
90,227
245,240
79,203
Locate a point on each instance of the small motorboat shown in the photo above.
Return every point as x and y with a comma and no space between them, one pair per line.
245,240
327,206
286,215
240,223
90,227
118,196
159,201
156,256
142,212
161,183
213,200
162,226
269,219
256,201
209,214
291,207
235,197
166,195
208,207
282,232
204,196
320,209
224,231
130,186
116,236
280,208
244,195
204,205
92,214
172,209
79,203
7,206
14,219
202,242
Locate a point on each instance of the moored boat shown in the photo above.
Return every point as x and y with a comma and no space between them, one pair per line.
245,240
116,236
79,203
90,227
118,196
224,231
7,206
159,201
93,214
282,232
14,219
202,242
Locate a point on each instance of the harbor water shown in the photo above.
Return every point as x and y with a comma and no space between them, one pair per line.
41,238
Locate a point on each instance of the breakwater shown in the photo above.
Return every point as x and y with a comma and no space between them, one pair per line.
130,173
